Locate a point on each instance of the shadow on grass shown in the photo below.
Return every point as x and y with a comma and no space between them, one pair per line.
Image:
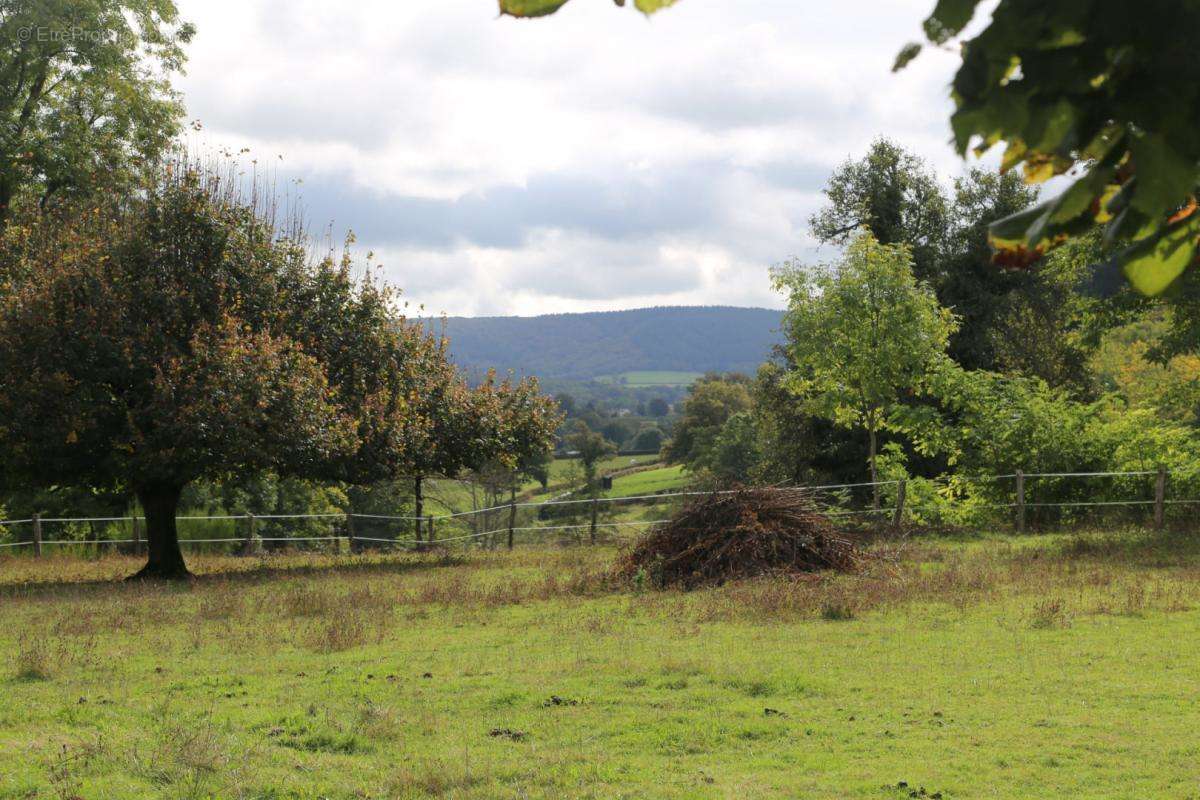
268,569
1172,547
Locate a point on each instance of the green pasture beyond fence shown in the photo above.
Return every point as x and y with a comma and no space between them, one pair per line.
1018,500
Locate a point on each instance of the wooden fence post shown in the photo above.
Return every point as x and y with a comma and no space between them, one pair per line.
1160,498
512,521
595,514
248,549
1020,501
37,534
429,522
901,490
137,536
350,531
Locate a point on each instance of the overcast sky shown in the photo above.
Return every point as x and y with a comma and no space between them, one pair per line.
592,160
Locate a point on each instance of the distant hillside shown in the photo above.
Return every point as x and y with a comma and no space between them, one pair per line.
584,346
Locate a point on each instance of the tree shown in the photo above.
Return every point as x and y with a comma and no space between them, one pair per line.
85,95
447,429
529,420
968,283
566,402
891,193
711,401
649,438
180,335
861,335
735,453
795,446
658,407
592,448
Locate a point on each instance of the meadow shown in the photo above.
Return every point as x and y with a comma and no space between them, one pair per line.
983,666
653,378
650,481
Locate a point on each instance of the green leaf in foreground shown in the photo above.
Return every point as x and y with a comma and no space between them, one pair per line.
541,8
530,8
1113,88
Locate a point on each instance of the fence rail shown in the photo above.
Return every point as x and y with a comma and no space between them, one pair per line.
835,499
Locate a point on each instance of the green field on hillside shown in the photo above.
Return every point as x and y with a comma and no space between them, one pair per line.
1006,668
653,378
651,481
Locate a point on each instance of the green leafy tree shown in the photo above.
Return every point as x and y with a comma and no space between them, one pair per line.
522,444
894,195
967,281
736,451
861,336
648,438
592,448
85,95
711,401
796,446
181,336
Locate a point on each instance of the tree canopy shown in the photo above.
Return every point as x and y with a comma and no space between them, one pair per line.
860,334
177,335
713,400
85,94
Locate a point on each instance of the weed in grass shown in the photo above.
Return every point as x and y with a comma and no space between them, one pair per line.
69,765
306,601
434,778
1135,599
318,735
341,632
837,609
36,658
223,604
1049,613
189,754
377,722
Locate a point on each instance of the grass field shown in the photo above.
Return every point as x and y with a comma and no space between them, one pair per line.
653,378
449,496
650,481
1001,668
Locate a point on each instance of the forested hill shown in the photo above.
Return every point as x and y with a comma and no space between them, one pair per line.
583,346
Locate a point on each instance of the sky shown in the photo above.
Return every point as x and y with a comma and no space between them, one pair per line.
589,161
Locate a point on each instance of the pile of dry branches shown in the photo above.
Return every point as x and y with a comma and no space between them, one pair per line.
741,533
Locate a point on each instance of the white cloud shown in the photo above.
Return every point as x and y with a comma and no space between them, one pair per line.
592,160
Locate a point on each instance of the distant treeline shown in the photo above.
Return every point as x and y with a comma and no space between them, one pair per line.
583,346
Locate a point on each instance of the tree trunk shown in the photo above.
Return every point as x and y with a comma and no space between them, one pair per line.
160,502
418,505
6,195
874,472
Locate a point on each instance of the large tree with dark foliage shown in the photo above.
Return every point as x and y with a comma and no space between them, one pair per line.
178,335
894,195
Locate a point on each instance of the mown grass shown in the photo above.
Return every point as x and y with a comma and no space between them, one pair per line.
998,667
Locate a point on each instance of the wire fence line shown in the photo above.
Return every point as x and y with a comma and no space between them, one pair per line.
836,500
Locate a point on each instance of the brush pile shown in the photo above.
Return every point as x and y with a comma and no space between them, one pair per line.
741,533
